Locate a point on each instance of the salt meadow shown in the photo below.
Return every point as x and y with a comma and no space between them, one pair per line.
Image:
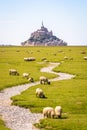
70,94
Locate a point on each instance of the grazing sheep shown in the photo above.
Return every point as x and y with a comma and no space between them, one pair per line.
44,80
26,75
18,51
44,58
48,112
71,58
85,58
26,59
13,72
31,79
83,52
58,111
39,93
29,59
60,51
65,58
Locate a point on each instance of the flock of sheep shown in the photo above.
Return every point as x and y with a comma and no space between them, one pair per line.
48,112
24,75
43,79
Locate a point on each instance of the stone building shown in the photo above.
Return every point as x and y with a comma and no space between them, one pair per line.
43,37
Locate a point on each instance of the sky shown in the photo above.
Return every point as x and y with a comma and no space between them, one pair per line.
66,18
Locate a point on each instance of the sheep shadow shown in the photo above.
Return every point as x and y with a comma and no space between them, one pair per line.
62,118
42,97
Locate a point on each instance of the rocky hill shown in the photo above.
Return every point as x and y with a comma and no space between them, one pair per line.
42,37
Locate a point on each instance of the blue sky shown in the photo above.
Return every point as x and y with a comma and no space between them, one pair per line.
66,18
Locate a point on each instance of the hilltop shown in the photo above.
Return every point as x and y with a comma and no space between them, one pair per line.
43,37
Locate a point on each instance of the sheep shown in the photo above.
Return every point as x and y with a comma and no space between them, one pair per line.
65,58
48,112
58,111
85,58
29,59
83,52
71,58
13,72
39,93
25,59
25,75
44,80
60,51
31,79
44,58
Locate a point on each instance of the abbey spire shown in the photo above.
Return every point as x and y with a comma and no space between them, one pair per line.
42,24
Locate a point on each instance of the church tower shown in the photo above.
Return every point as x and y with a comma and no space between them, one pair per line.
43,28
42,24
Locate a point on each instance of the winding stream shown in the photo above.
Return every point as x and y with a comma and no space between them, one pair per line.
17,118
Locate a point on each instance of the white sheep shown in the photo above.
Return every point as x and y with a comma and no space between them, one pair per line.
40,93
31,79
44,80
58,111
29,59
26,59
48,112
13,72
25,75
85,58
65,58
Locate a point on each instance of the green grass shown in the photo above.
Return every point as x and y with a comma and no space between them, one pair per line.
58,93
13,57
69,122
2,126
70,94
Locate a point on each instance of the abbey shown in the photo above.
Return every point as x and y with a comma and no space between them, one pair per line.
43,37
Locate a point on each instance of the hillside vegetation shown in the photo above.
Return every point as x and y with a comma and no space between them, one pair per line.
70,94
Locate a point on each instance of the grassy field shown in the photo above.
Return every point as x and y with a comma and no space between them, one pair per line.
70,94
2,126
13,58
